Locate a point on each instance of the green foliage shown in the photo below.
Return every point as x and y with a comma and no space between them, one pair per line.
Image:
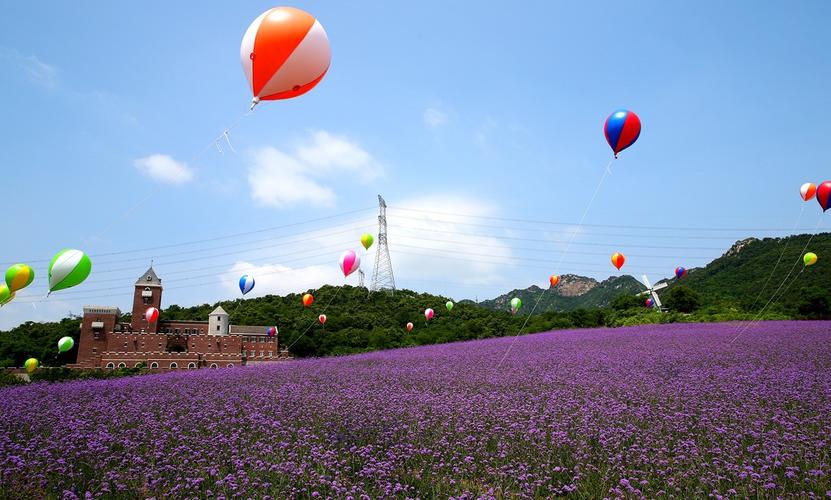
683,299
8,379
40,341
814,304
627,301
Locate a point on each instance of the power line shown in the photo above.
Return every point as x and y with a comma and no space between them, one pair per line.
206,240
623,226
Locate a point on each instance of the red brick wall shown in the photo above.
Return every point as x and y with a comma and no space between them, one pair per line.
90,348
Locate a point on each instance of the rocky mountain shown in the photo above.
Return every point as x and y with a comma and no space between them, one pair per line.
573,292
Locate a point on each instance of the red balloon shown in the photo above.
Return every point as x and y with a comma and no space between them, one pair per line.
322,319
307,300
409,327
151,315
824,195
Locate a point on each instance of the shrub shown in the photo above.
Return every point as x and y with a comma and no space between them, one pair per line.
8,379
683,299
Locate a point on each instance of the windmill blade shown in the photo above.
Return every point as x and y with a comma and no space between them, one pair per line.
642,293
646,282
656,299
659,286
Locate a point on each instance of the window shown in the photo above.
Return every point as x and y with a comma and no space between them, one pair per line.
125,344
261,354
187,331
122,365
230,365
110,366
154,365
94,350
217,327
174,365
270,353
138,365
176,331
191,366
214,365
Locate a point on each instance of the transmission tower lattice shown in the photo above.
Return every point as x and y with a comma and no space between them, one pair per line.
360,278
382,278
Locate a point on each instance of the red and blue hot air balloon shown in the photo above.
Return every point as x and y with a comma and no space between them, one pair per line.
824,195
649,302
271,331
622,130
680,272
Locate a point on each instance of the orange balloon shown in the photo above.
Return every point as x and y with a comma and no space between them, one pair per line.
307,300
284,53
554,279
618,259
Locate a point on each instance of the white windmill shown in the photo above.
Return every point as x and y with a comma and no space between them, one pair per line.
652,290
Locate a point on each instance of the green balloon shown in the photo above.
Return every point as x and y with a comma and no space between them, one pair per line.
68,268
516,303
65,344
449,305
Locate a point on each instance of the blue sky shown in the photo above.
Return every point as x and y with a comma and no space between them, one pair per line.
466,109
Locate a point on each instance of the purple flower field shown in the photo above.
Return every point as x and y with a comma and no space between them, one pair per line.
663,410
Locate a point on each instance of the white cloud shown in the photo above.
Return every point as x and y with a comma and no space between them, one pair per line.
279,279
35,70
483,133
435,118
280,179
163,168
438,246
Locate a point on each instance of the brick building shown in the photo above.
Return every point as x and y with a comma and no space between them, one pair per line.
107,343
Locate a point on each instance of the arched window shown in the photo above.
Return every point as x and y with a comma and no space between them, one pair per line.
154,365
174,365
110,365
122,365
138,365
230,365
191,366
214,365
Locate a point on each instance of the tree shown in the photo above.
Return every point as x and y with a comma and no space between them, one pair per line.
626,301
814,304
683,299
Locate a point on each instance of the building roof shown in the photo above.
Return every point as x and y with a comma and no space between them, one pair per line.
219,310
248,330
149,278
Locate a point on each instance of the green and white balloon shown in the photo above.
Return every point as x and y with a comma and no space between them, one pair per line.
68,268
65,344
516,303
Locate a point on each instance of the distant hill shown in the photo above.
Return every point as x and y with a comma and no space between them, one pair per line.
573,292
734,279
741,273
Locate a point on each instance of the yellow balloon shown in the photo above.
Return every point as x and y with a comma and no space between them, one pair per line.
809,259
31,365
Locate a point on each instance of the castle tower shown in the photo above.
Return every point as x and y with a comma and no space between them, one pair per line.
218,322
147,293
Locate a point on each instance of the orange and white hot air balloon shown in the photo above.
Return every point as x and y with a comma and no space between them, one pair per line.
618,260
284,53
308,299
554,279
